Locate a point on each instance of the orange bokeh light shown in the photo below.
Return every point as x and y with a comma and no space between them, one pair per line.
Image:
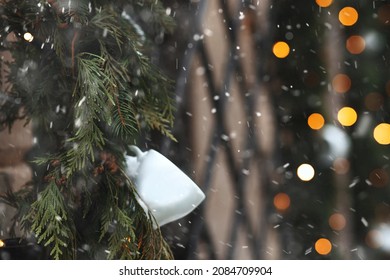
323,246
337,221
324,3
355,44
341,83
348,16
281,49
282,201
316,121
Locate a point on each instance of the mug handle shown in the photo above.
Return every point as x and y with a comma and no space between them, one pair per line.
133,162
137,151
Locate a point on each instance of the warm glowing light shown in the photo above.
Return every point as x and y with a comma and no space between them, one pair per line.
316,121
348,16
281,49
374,101
337,221
379,177
305,172
282,201
324,3
382,133
347,116
341,166
355,44
341,83
2,244
28,37
323,246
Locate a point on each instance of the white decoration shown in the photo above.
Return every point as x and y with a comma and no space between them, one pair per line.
162,187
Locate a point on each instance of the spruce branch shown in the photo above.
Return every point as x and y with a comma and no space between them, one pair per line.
49,220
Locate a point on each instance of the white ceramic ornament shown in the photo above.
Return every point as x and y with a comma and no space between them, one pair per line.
162,187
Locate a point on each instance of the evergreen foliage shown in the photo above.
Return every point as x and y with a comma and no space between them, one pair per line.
87,84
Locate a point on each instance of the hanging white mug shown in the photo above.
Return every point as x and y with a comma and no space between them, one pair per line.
162,187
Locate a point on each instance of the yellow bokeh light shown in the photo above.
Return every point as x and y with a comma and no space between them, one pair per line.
316,121
337,221
28,37
323,246
324,3
2,244
305,172
281,49
347,116
281,201
341,83
348,16
382,133
355,44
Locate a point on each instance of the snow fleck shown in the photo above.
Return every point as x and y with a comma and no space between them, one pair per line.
225,137
364,222
105,32
58,218
242,16
81,101
276,226
354,182
208,32
200,71
213,111
258,114
245,171
308,251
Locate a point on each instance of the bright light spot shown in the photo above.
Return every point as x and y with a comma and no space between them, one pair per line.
355,44
382,133
341,83
338,140
305,172
381,237
2,244
348,16
281,201
323,246
324,3
28,37
347,116
316,121
281,49
337,221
